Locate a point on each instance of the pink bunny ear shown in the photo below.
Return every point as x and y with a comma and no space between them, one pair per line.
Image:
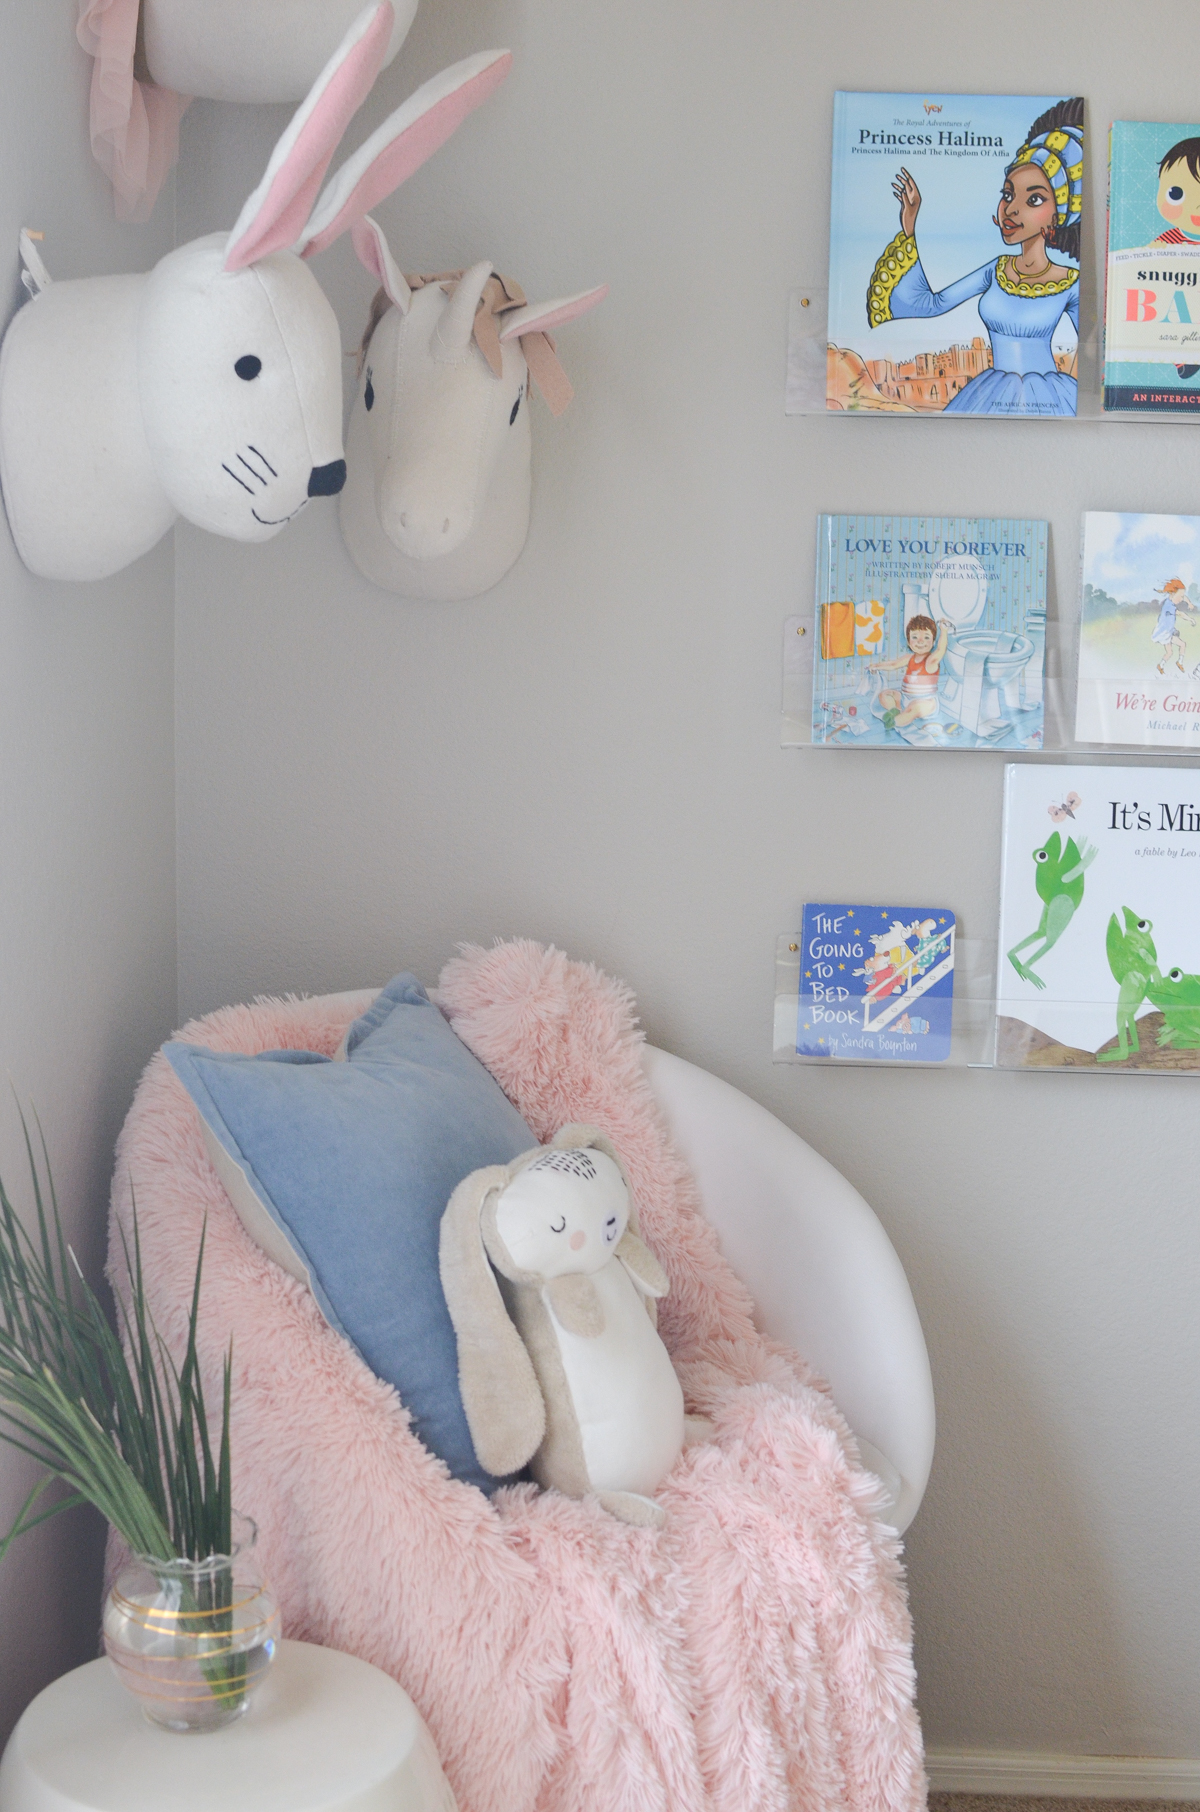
402,144
531,326
274,215
375,255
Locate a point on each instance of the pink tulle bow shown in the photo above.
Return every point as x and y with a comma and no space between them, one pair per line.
134,125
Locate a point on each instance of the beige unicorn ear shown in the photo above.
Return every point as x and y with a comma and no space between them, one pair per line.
506,1413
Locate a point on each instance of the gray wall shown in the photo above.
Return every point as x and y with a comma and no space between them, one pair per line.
590,755
87,821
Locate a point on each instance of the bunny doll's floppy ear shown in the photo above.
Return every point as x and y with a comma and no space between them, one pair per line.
401,145
506,1412
274,215
532,324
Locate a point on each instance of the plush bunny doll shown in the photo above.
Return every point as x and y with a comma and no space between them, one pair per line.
573,1375
436,503
210,388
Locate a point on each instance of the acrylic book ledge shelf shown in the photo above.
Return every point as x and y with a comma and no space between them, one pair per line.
975,1032
799,660
808,337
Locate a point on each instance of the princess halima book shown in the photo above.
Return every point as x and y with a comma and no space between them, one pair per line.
954,254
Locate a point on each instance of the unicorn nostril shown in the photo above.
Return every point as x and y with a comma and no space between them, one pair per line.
446,526
327,481
404,519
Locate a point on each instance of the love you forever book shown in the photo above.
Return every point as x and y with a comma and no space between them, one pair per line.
876,983
1152,294
930,632
1139,631
954,254
1099,957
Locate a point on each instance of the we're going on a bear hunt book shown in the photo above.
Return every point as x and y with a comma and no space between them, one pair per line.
1099,956
1152,296
954,254
930,632
1139,631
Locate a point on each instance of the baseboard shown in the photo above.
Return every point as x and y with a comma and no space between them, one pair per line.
1062,1776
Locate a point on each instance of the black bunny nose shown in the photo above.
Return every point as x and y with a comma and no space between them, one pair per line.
327,481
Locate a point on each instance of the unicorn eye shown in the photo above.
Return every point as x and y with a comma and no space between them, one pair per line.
247,367
369,392
561,1228
512,418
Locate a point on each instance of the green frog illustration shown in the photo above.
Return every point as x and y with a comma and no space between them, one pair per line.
1058,876
1177,997
1134,963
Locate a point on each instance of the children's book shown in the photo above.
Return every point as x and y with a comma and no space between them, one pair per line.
930,632
1152,297
954,254
1139,631
876,983
1099,956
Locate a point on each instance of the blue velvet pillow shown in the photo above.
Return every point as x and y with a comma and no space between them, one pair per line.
348,1167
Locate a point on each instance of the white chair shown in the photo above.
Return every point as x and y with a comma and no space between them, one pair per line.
824,1276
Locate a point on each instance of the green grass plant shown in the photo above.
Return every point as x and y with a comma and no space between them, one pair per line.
103,1409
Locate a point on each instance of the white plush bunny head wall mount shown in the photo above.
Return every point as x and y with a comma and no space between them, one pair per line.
552,1295
226,50
210,388
437,495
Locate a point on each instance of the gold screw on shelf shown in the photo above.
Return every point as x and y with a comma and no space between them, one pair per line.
800,631
804,301
793,946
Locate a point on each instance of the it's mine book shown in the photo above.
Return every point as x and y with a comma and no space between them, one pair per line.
1099,955
1152,294
876,983
954,254
930,632
1139,631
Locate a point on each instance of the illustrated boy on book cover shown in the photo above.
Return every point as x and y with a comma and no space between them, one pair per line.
1152,308
988,165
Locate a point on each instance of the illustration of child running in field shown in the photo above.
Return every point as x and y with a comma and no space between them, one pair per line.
1166,633
918,694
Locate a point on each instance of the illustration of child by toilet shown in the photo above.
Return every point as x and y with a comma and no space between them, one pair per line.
1166,634
918,693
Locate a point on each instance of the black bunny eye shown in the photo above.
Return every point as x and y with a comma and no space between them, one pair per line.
247,366
559,1229
369,392
512,418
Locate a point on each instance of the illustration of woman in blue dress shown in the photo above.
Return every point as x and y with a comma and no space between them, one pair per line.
1024,293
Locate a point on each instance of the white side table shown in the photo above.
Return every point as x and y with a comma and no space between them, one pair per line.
326,1731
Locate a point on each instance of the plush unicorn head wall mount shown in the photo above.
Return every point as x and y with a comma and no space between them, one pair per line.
211,387
436,503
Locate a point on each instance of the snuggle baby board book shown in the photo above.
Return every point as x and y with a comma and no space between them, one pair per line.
930,632
1152,296
954,254
1099,953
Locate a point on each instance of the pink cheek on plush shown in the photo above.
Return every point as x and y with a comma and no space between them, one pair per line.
577,1240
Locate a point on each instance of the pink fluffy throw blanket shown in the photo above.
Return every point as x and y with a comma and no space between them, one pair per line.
752,1656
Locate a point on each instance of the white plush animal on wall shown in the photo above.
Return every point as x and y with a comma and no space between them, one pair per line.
572,1376
226,50
210,388
436,503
